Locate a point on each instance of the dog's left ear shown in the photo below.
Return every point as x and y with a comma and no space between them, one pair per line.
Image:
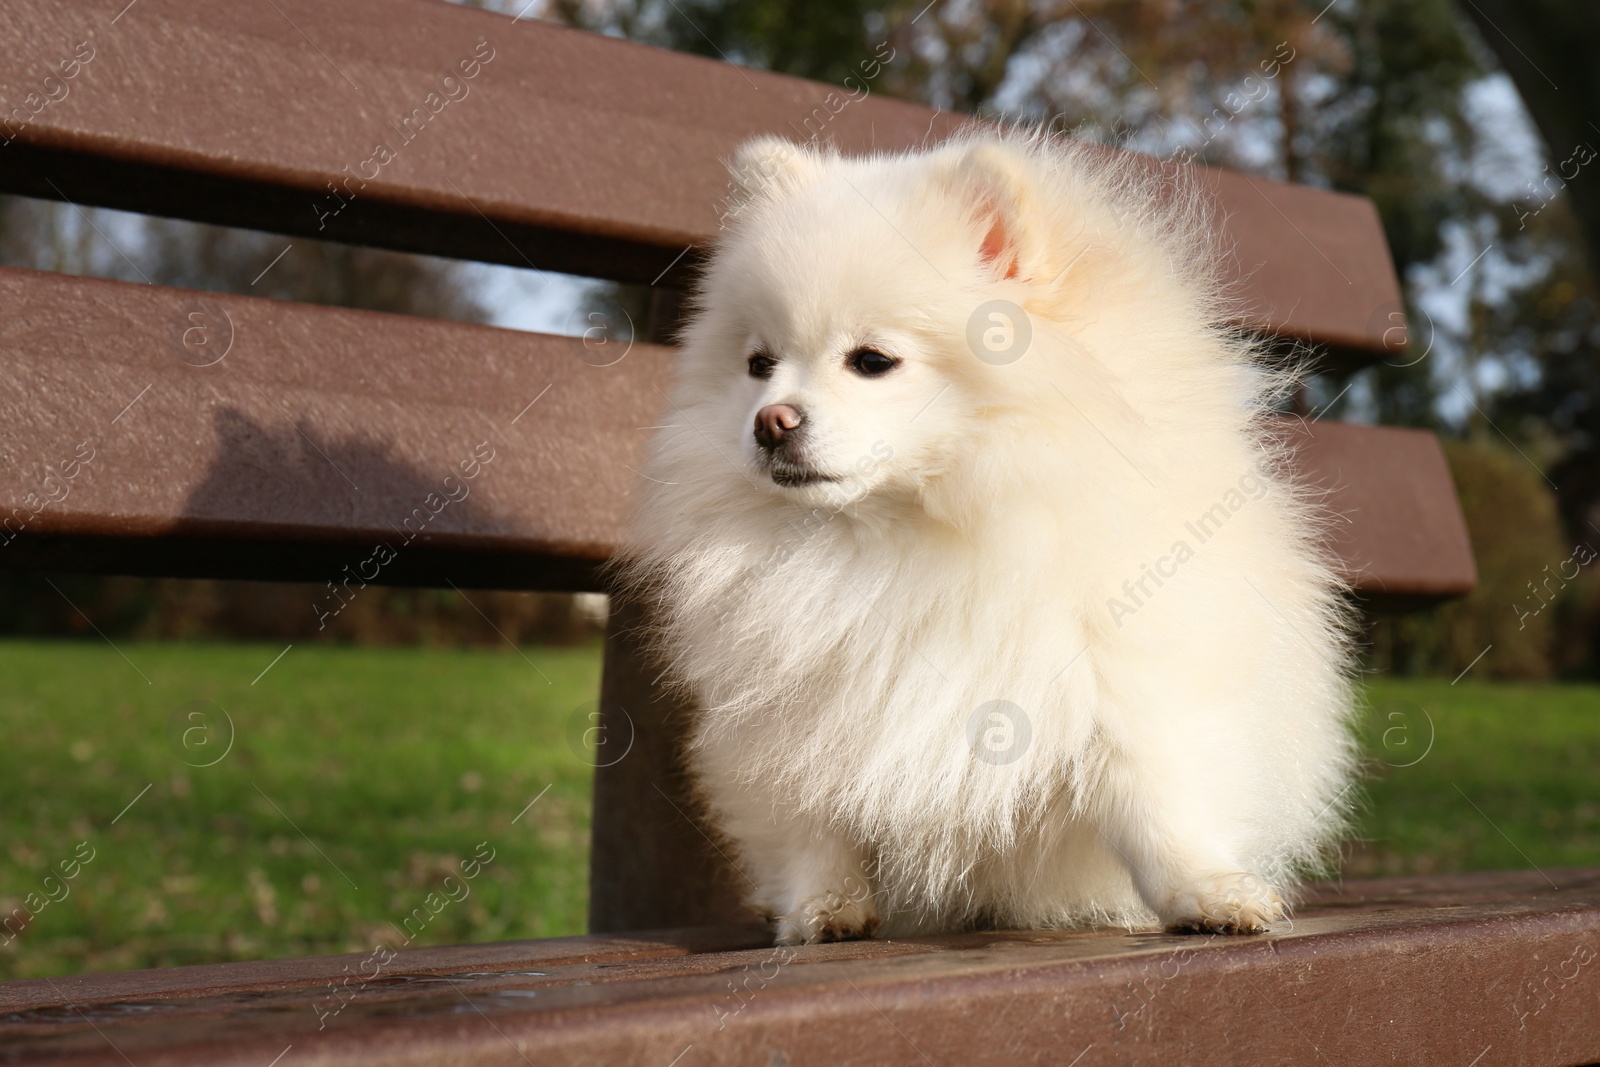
992,180
766,168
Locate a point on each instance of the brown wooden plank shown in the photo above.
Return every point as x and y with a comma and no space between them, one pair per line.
505,957
1400,536
1487,969
319,434
568,151
314,441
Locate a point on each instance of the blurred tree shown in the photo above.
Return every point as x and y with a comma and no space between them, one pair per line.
820,39
1547,47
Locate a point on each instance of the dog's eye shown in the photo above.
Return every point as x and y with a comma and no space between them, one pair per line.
870,363
761,366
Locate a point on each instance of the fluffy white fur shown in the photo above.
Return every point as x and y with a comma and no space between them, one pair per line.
1189,749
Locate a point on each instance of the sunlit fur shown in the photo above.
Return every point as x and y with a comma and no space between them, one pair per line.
1189,750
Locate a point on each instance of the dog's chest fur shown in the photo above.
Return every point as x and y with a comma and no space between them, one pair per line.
908,664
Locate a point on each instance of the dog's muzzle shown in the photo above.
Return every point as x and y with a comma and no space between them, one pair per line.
780,430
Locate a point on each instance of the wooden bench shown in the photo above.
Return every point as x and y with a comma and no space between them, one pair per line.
244,438
1484,969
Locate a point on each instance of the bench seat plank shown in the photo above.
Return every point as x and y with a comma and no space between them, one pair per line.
566,150
1492,968
323,431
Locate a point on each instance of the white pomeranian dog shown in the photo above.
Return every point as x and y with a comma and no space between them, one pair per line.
969,538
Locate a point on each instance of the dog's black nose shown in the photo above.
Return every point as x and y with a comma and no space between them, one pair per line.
773,422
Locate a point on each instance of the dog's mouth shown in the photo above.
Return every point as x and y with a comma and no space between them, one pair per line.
790,476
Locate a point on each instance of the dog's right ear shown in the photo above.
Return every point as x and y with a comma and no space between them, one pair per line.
992,182
765,167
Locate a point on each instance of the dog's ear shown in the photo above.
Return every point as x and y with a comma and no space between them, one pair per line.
992,181
764,167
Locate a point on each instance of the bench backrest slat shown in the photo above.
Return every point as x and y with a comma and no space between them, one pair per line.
326,432
565,150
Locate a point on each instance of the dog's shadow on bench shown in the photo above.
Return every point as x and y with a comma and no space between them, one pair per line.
346,509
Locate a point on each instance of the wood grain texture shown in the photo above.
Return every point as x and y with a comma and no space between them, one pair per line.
1481,969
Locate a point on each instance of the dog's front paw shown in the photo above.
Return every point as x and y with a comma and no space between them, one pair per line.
827,917
1232,902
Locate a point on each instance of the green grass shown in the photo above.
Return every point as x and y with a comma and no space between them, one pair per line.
1512,778
360,779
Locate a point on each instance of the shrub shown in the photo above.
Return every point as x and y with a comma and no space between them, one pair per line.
1526,596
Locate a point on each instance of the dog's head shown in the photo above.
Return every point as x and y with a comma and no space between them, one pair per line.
860,316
